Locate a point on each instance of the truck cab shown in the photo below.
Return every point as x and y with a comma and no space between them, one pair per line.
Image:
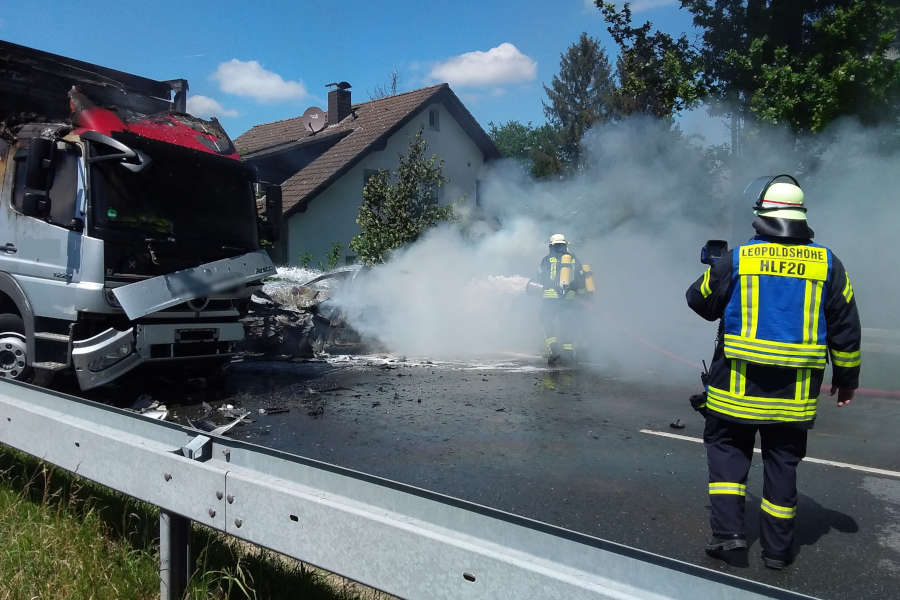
125,238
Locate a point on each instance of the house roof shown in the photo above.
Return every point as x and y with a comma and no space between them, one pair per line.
366,129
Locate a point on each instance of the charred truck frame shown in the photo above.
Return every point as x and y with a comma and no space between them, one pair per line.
128,228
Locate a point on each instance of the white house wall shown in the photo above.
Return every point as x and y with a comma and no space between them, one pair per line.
331,216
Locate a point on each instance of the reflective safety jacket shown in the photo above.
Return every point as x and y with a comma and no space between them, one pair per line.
785,306
563,276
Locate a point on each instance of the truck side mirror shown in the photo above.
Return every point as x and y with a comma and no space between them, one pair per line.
273,212
38,164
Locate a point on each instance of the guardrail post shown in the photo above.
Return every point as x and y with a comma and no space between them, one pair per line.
174,555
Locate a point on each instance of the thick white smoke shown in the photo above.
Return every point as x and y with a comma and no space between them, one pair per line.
638,214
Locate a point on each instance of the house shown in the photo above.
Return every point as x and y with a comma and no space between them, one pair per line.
322,160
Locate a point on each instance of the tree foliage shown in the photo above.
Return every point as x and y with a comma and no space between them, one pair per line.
536,148
803,63
580,95
657,74
398,207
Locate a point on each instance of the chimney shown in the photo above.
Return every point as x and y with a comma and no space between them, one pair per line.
338,102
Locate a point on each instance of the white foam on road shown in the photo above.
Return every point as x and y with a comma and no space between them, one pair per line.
511,363
820,461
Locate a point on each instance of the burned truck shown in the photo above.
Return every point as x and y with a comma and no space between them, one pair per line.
129,231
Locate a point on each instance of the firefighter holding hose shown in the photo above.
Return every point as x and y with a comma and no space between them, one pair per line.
786,305
564,280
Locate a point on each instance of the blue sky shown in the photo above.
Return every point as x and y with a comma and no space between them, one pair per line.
256,62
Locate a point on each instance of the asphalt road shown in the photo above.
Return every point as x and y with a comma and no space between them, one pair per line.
583,450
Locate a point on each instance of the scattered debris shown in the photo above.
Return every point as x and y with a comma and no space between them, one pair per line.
289,321
317,412
273,411
160,413
210,427
376,403
143,402
230,412
676,424
202,424
147,406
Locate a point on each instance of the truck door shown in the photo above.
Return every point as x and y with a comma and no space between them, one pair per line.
44,248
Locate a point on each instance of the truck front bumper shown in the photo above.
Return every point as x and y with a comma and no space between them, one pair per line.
112,353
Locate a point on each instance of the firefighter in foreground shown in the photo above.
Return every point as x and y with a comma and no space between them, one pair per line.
565,282
786,303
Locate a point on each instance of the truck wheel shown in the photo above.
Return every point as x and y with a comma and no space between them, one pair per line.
13,350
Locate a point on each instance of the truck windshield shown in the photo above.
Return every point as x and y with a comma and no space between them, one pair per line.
184,208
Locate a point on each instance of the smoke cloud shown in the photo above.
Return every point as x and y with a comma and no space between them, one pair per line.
638,213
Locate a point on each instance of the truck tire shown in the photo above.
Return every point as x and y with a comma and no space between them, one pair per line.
13,349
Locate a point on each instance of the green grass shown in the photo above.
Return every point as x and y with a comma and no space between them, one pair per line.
62,536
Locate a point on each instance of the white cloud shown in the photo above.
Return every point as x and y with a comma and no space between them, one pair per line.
204,106
249,78
503,64
636,5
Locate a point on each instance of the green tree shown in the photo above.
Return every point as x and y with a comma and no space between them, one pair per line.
657,74
332,258
580,95
536,148
803,63
397,207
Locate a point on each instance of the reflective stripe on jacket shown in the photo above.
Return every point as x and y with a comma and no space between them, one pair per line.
783,308
776,313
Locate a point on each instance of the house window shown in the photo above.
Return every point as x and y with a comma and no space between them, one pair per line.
434,120
478,192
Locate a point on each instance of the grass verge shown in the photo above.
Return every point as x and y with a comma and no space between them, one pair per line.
62,536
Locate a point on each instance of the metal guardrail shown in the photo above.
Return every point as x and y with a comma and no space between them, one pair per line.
403,540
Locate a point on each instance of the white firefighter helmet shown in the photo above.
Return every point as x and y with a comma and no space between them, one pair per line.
779,199
558,238
783,201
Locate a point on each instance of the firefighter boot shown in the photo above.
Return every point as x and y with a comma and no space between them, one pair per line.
731,549
775,563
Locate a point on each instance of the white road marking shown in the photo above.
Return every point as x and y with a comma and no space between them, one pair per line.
821,461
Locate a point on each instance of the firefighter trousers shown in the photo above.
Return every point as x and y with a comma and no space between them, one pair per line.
558,320
729,450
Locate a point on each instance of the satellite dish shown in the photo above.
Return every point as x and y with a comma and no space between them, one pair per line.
314,120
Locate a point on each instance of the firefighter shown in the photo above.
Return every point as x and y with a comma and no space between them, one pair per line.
563,279
786,304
